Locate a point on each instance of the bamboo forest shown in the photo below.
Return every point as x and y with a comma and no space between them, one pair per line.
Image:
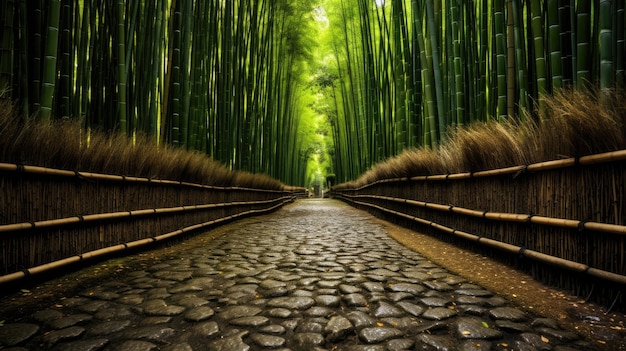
302,90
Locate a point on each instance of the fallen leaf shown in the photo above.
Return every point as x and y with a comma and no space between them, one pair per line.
485,324
544,339
380,324
466,332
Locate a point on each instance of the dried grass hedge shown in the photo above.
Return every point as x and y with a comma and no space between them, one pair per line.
65,145
573,124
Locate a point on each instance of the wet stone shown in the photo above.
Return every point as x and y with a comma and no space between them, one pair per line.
15,333
47,315
93,307
478,345
545,322
471,309
400,344
305,341
130,299
231,343
360,319
473,328
156,333
327,300
412,289
275,292
252,321
207,329
84,345
435,302
155,320
192,301
177,276
561,335
317,311
137,345
474,292
412,309
160,308
454,280
232,312
337,328
399,296
120,312
439,313
308,281
348,289
199,314
294,302
373,287
355,300
309,326
379,334
496,301
69,321
110,327
279,313
273,329
439,342
439,286
267,341
416,275
536,341
328,283
470,300
387,310
511,326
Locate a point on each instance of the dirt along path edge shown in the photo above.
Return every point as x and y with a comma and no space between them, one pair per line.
607,331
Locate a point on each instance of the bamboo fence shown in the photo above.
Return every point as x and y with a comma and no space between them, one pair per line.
562,221
51,218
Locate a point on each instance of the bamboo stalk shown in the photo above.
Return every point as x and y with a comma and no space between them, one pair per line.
9,228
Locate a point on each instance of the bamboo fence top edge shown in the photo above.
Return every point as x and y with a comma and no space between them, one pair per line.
606,157
10,167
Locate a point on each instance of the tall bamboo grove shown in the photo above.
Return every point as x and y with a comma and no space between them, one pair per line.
222,77
407,71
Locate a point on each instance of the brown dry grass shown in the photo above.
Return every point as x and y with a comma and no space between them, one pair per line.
65,145
573,124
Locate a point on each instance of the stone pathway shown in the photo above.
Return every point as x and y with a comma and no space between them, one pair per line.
316,275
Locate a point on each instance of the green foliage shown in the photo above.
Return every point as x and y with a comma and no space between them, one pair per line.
254,83
408,71
228,78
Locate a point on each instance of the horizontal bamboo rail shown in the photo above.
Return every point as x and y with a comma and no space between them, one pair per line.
37,170
8,278
505,217
11,228
44,226
506,247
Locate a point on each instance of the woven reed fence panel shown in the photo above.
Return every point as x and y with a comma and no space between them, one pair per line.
137,210
583,194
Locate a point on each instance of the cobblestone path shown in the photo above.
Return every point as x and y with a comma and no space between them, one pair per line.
316,275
